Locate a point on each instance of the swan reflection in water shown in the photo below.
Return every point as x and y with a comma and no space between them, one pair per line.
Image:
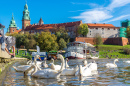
43,82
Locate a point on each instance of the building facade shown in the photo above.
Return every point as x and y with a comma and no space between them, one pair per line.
104,30
71,28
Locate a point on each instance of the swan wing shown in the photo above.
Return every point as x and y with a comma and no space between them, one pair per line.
68,72
22,68
92,66
46,73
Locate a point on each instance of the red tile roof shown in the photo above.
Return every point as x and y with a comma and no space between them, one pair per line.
99,25
19,30
52,26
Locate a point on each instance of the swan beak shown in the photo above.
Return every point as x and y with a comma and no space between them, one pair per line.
40,58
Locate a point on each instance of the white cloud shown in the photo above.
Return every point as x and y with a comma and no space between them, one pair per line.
101,14
118,18
95,15
118,3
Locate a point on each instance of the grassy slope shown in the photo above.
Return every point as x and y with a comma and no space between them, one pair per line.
113,50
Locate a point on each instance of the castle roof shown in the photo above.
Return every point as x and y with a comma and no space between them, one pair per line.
19,30
52,26
100,25
12,22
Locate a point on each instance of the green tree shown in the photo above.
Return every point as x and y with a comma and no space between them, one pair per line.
97,40
128,32
47,42
83,29
62,44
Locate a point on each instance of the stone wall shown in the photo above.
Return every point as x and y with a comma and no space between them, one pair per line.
114,41
104,32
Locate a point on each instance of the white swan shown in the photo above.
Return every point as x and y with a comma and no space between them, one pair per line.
69,71
46,73
83,71
55,67
111,65
127,61
66,64
92,66
23,68
44,64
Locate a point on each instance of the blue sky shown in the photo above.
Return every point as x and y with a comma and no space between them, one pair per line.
60,11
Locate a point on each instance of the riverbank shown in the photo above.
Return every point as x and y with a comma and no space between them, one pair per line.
113,51
5,66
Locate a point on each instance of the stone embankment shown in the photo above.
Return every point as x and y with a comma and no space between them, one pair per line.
3,66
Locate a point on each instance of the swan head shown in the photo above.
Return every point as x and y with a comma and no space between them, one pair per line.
45,58
116,60
84,62
67,59
37,57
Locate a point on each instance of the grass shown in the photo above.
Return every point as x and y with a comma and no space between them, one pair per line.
22,54
113,50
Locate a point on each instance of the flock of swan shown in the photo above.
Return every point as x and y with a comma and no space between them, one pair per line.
40,69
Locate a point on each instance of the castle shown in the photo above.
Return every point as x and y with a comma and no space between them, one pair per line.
105,30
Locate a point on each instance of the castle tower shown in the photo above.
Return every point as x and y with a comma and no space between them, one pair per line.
12,27
26,17
41,21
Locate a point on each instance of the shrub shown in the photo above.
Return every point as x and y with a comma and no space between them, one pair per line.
127,50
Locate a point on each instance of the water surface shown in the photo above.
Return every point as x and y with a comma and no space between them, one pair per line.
106,77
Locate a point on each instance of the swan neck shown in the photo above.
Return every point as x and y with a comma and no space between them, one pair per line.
63,63
35,69
53,61
45,61
26,72
80,72
114,62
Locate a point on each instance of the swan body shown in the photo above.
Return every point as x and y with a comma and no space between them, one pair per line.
44,64
46,73
111,65
127,61
83,71
55,67
69,71
23,68
92,66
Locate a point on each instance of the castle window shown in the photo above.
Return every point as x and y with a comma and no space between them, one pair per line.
13,30
108,28
102,28
96,28
114,29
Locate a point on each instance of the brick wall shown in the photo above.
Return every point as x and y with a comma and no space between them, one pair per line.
13,29
114,41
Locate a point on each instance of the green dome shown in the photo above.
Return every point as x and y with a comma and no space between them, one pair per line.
26,13
12,22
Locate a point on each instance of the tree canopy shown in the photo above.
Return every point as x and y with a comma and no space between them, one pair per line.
83,29
47,42
128,32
